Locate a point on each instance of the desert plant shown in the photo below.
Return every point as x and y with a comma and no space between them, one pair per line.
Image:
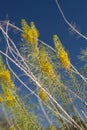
38,84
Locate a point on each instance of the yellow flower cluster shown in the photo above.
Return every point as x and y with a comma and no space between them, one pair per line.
10,99
5,76
30,33
45,64
61,54
43,95
7,85
1,99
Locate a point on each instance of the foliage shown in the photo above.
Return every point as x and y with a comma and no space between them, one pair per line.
46,88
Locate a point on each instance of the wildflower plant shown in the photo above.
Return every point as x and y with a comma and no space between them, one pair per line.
12,104
46,86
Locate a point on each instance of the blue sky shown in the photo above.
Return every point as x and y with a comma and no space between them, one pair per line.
49,21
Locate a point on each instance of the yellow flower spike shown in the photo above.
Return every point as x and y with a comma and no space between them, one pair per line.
10,100
44,62
61,54
30,33
1,99
25,25
64,60
5,76
43,95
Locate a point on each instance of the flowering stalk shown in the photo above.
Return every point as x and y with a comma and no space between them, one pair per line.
61,54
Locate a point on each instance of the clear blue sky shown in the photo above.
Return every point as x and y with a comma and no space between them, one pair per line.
49,21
